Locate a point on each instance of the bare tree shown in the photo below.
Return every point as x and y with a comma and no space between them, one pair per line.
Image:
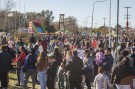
8,6
71,24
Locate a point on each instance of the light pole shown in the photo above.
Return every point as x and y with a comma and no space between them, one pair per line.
110,23
117,28
93,12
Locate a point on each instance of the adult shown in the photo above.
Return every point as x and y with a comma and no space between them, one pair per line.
123,54
11,43
42,64
51,72
40,47
44,44
30,68
74,71
88,68
19,43
132,56
58,56
122,71
101,44
5,61
32,39
19,62
108,62
4,41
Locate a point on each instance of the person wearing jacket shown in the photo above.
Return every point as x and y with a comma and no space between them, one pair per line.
108,62
74,71
51,72
32,39
5,61
121,71
88,70
19,62
30,68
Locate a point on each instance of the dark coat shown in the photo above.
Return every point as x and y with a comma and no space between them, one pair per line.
5,61
30,61
120,72
74,68
108,62
52,69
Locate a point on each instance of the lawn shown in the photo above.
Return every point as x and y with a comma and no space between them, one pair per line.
13,81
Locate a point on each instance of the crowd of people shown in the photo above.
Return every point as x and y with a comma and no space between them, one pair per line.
69,61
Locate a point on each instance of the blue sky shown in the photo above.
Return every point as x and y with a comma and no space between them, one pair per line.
81,9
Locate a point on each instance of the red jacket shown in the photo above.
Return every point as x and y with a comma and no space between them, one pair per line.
94,43
21,57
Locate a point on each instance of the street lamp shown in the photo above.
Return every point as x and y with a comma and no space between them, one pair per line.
117,28
110,24
93,12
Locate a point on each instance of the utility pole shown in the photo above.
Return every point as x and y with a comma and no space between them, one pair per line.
19,14
24,17
127,23
110,12
104,21
15,18
118,5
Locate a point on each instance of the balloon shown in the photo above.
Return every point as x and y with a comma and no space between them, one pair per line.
99,58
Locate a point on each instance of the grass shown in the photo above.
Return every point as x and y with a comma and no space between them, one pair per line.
13,81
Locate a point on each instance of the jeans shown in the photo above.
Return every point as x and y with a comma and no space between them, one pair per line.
22,76
42,79
18,75
32,73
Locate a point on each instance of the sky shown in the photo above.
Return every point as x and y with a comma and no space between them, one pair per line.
82,10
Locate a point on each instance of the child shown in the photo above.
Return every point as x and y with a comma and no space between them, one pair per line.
61,76
101,81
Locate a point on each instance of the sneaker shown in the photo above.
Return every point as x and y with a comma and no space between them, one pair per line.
17,84
37,82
